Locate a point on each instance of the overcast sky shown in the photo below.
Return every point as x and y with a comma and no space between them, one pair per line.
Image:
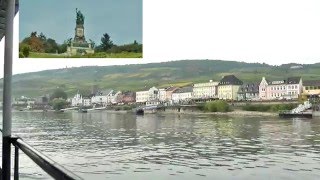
269,31
121,19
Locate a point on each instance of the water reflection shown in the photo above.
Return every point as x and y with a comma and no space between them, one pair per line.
99,145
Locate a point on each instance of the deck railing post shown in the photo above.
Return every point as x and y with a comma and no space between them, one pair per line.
16,163
6,135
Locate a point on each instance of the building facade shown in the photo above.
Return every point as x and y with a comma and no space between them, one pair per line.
294,87
249,92
100,98
128,97
148,95
283,89
182,95
228,87
77,100
311,87
206,90
142,96
114,97
86,102
169,92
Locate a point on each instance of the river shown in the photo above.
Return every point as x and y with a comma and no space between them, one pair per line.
101,145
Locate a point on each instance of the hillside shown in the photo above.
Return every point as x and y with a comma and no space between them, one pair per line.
136,77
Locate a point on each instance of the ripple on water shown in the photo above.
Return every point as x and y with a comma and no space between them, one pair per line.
114,145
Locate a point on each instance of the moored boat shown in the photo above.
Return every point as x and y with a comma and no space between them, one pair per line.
289,114
140,111
82,110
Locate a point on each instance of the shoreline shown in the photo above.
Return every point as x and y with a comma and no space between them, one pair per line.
231,113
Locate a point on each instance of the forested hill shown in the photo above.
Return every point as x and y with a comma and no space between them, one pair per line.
137,77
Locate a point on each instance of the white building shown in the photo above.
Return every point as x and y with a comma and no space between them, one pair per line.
101,98
205,90
162,94
165,94
142,96
77,100
113,98
182,95
149,95
86,102
294,87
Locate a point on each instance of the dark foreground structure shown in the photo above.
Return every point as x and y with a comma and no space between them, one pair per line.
8,9
293,115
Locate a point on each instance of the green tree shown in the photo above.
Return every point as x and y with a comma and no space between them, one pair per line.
25,50
50,46
217,106
106,42
134,47
42,37
33,34
21,55
58,103
58,93
62,48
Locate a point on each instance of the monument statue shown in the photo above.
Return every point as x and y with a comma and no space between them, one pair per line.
79,45
80,17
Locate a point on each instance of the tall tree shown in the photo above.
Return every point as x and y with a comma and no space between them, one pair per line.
106,42
58,104
42,37
33,34
59,93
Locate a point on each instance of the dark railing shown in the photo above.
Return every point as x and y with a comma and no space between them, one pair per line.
51,167
8,9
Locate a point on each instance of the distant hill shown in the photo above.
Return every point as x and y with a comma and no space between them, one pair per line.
137,77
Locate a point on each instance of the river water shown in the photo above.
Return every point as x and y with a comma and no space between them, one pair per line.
101,145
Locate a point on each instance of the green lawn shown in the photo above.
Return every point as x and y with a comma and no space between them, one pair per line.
95,55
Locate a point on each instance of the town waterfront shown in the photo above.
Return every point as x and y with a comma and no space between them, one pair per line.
102,145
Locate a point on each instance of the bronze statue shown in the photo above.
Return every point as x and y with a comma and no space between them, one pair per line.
80,17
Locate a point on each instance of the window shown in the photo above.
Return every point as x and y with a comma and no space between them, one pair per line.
307,87
296,86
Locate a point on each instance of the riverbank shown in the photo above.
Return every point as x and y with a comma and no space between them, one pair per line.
231,113
186,112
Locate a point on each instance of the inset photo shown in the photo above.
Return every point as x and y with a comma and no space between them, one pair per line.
80,29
